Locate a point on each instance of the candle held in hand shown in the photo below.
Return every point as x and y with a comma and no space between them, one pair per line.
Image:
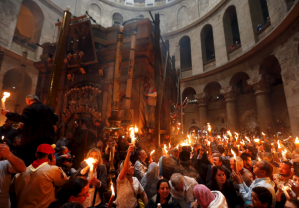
112,196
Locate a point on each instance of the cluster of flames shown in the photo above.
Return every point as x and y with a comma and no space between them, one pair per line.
133,130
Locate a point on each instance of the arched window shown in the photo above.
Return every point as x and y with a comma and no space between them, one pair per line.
95,12
117,19
212,91
207,43
259,13
189,92
182,17
231,27
239,81
29,25
185,53
271,67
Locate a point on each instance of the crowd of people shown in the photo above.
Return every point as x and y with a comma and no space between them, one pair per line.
208,170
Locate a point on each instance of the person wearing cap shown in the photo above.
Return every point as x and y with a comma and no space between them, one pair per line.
10,165
35,188
39,121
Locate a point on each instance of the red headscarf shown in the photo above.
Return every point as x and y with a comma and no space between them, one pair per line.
203,195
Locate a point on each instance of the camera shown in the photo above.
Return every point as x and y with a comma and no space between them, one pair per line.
69,159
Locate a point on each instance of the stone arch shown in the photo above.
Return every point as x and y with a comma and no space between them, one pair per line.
212,91
188,92
117,18
11,84
185,53
182,16
207,43
270,66
239,81
95,11
271,70
29,25
231,27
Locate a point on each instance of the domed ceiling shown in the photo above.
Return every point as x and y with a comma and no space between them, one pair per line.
142,3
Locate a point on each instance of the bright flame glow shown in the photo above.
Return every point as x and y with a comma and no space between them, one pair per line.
132,135
247,139
256,140
284,153
263,134
225,137
242,142
152,152
165,148
112,189
279,147
233,153
209,127
219,137
2,137
5,95
209,143
136,129
90,161
169,145
297,140
230,134
259,158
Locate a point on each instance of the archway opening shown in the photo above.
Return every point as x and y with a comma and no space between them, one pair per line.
185,53
231,27
259,13
189,92
207,43
117,19
239,81
212,91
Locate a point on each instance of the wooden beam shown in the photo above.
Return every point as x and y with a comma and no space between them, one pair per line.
73,20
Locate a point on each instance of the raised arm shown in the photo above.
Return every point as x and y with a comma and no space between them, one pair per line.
16,164
126,165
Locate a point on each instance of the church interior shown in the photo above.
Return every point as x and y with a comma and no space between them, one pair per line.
236,63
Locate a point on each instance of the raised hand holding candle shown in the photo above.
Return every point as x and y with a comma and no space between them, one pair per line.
112,196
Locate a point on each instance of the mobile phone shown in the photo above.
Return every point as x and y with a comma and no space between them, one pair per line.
296,167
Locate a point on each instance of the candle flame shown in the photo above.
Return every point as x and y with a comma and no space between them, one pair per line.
229,133
136,129
219,137
256,140
247,139
236,133
90,161
297,140
5,95
152,152
132,134
209,143
112,189
263,133
259,158
225,137
209,127
242,142
2,137
278,144
165,148
284,153
233,153
169,145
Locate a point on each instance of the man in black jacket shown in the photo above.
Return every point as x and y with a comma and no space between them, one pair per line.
39,121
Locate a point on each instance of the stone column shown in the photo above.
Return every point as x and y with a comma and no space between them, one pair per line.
231,108
202,108
263,101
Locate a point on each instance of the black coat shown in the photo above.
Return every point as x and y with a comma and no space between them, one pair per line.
171,202
38,121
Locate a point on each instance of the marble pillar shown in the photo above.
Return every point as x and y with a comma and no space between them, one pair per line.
202,108
230,96
261,86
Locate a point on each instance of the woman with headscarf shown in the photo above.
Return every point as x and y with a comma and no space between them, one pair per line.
163,197
209,199
150,180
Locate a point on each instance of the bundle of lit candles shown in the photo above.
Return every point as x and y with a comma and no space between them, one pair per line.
5,96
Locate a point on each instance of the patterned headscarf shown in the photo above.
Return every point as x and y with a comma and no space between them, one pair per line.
203,195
